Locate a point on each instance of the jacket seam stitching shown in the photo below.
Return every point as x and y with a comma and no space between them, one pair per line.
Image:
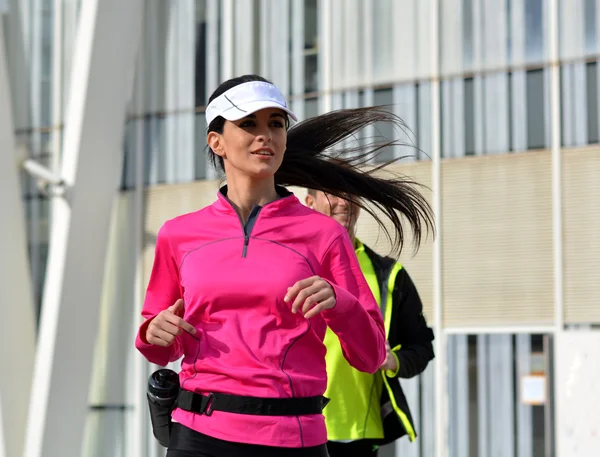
204,245
290,378
286,247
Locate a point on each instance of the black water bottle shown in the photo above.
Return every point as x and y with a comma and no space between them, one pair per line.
163,389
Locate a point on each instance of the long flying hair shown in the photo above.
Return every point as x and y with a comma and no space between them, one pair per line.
315,159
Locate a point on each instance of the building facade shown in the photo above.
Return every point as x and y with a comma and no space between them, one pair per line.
501,101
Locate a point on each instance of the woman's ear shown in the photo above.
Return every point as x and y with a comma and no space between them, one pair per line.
309,200
215,142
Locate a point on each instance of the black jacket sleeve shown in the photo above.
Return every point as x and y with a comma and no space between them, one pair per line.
409,328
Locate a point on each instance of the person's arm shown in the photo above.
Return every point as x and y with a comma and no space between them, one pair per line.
355,319
412,334
163,291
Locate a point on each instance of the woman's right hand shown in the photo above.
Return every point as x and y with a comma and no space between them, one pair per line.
167,325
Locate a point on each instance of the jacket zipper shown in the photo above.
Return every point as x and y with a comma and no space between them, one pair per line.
246,241
248,226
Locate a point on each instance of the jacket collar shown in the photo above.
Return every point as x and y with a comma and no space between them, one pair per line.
286,200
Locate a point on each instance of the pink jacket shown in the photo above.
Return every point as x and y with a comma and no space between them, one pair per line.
233,280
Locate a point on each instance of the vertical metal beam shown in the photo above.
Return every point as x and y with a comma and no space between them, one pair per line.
557,191
137,426
36,108
17,55
57,83
441,448
501,402
557,226
108,36
458,392
16,300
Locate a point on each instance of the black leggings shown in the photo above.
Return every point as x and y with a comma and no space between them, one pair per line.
360,448
185,442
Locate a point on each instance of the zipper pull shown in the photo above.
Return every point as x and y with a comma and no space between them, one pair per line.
246,241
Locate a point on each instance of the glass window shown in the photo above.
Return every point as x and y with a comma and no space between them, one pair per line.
592,102
311,24
536,128
467,17
200,80
590,26
384,132
485,404
311,36
508,7
311,73
534,30
469,94
311,108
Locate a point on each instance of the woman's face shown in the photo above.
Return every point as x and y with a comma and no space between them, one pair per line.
253,145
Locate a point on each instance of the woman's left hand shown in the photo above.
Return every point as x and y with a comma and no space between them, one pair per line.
311,296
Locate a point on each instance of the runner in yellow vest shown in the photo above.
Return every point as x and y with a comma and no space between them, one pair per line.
367,411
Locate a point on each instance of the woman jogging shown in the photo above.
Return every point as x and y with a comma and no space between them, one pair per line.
245,288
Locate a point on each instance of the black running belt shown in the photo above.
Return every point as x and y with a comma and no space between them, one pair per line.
206,404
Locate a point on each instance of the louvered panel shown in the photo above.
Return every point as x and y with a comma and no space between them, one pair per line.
168,201
581,209
497,240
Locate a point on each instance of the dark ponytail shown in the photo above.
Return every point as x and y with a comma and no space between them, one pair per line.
310,161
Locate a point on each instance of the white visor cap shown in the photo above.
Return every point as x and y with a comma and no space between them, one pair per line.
245,99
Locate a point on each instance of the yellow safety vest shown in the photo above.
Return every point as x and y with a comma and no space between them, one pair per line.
354,410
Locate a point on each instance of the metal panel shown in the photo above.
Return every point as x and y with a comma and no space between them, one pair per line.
501,397
16,299
524,412
179,91
108,38
227,36
458,393
428,436
412,391
244,37
483,396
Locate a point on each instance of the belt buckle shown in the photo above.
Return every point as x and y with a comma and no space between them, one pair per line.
207,408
